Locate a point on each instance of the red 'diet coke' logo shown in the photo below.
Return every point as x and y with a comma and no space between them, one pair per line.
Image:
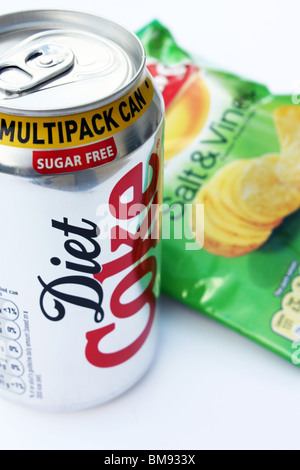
170,80
135,258
135,262
48,162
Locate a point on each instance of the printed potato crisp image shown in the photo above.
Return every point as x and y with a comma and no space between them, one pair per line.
232,150
247,199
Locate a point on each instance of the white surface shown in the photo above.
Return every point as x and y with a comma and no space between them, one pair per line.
209,388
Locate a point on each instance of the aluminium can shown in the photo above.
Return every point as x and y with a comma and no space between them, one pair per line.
81,132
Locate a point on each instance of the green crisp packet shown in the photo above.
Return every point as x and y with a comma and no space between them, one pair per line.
231,220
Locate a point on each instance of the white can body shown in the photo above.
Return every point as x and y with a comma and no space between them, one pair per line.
58,349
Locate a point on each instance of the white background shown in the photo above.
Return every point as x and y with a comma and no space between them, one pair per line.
209,388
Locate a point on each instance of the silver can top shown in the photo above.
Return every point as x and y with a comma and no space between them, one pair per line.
60,62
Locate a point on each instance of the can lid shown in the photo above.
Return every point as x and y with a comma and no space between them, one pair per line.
56,62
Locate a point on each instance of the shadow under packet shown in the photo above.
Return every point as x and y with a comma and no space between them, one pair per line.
230,216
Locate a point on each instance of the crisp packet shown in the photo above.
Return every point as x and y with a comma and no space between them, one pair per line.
231,220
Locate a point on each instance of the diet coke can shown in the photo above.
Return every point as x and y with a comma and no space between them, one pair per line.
81,131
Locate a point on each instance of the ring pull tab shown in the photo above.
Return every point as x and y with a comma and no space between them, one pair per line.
29,67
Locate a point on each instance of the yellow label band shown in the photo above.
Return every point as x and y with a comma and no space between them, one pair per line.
77,129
